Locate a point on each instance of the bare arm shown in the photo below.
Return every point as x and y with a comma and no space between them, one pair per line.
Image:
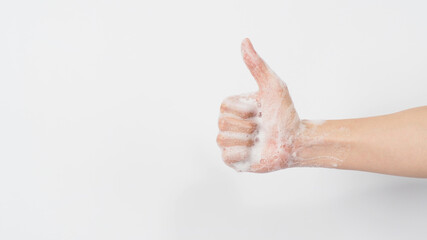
391,144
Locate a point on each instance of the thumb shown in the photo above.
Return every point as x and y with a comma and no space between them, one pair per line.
264,76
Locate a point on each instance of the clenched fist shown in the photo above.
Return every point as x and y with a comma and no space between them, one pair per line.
258,131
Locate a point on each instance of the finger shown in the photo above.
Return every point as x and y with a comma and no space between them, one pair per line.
261,167
264,77
228,139
229,109
236,125
267,166
244,107
235,154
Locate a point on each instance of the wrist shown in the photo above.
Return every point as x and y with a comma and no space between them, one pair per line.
320,144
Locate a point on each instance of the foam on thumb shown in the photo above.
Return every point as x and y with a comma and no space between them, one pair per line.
264,77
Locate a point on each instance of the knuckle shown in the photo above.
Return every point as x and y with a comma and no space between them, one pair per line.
227,158
226,103
234,155
221,140
223,107
222,123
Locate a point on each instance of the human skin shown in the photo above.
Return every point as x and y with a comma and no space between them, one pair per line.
262,132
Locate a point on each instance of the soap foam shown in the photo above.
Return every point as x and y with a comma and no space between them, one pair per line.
246,103
242,103
278,127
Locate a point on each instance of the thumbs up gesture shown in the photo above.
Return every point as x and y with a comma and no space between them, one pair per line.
258,130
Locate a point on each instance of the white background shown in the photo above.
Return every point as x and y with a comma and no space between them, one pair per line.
108,117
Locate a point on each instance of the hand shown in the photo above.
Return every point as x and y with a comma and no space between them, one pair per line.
261,132
258,130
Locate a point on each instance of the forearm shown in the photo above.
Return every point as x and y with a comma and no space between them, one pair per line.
391,144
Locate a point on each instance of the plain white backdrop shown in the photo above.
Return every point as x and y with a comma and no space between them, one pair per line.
108,117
